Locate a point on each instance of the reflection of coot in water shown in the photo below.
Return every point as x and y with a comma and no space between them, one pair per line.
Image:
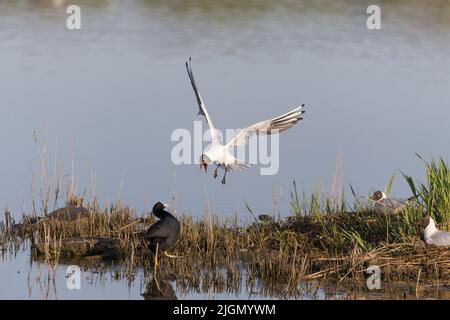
164,233
164,292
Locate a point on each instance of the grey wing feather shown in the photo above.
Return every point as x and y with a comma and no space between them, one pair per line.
441,238
278,124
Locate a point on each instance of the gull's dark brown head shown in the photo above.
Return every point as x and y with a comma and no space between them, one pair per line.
377,196
424,222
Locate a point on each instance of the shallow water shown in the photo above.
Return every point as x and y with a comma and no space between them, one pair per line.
23,277
108,97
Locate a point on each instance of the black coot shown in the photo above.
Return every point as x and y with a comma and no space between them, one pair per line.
163,234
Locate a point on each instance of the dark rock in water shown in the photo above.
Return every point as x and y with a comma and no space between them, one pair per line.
80,246
68,213
18,228
106,259
25,227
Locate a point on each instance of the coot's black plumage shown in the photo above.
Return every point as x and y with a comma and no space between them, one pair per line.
164,233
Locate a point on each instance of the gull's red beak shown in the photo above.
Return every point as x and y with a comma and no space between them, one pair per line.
203,164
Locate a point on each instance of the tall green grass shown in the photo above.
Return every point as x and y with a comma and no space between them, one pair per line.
434,194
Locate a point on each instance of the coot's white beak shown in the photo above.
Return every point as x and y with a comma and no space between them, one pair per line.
166,205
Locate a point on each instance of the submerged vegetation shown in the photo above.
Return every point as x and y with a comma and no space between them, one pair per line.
320,240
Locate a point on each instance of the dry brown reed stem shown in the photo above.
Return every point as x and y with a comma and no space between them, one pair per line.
417,283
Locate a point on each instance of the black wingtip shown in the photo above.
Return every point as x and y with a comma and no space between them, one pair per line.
188,62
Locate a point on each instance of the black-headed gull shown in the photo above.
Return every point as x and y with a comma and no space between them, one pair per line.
388,205
219,153
432,235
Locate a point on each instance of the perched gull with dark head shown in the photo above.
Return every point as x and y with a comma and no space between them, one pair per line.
219,154
432,235
388,205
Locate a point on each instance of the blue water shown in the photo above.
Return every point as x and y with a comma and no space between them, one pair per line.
107,98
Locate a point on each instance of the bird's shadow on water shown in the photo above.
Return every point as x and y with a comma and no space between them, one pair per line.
159,290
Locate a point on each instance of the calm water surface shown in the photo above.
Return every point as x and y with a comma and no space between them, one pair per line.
23,277
108,97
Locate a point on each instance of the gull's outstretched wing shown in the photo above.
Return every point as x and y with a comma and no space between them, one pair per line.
201,106
238,165
275,125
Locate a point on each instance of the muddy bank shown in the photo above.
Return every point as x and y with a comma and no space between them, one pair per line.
80,247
